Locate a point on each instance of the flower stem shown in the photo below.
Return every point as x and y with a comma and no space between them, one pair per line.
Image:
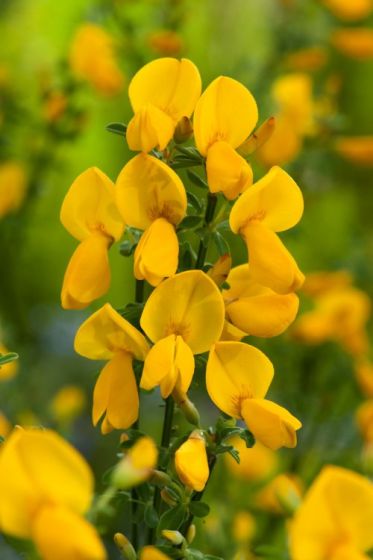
204,243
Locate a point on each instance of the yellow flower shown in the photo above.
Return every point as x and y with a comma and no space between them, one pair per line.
183,316
350,11
243,527
355,43
357,149
13,186
9,370
364,375
220,270
161,94
152,553
335,519
309,59
151,197
137,464
281,495
254,309
283,146
237,378
54,106
256,463
225,115
272,204
92,59
364,420
68,403
166,42
106,335
5,425
318,283
46,487
89,214
191,462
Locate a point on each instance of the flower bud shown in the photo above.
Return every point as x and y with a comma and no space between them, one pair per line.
166,497
125,547
258,138
186,406
137,465
175,537
159,478
183,130
191,533
191,462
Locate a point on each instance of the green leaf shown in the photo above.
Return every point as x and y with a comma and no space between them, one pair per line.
190,222
197,180
187,256
7,358
127,248
151,516
117,128
228,449
221,244
172,519
189,152
199,509
194,201
132,313
227,432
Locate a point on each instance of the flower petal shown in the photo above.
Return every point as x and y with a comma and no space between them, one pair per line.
159,364
148,189
149,128
189,305
225,111
227,172
191,462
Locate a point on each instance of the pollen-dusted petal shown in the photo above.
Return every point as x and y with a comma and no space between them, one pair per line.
275,200
149,128
116,393
59,533
271,264
225,111
87,275
159,363
263,315
148,189
236,371
106,332
188,304
270,423
172,85
89,206
227,171
191,462
157,254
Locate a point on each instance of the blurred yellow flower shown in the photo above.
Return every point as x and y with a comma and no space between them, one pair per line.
356,42
254,309
364,420
68,403
166,42
183,316
5,426
317,283
106,335
136,465
273,204
152,553
335,519
282,495
191,462
92,59
9,370
161,93
46,487
357,149
54,106
243,527
256,463
89,213
225,115
13,187
151,197
308,59
350,10
237,378
363,369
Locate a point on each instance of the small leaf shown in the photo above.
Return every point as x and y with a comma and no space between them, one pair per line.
132,313
199,509
117,128
228,449
194,201
127,248
190,152
172,519
221,244
190,222
197,180
7,358
151,516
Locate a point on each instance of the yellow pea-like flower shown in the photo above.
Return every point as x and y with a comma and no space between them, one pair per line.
363,370
108,336
183,316
283,146
13,187
89,213
350,11
137,464
152,197
152,553
281,495
92,58
191,462
273,204
225,115
68,403
46,486
364,420
257,310
161,93
257,463
335,518
355,43
357,149
237,378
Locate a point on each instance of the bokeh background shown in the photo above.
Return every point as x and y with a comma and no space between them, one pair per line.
308,62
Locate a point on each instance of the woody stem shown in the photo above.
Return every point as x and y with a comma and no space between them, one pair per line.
204,243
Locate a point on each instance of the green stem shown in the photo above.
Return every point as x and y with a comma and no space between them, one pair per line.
203,245
139,291
165,443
